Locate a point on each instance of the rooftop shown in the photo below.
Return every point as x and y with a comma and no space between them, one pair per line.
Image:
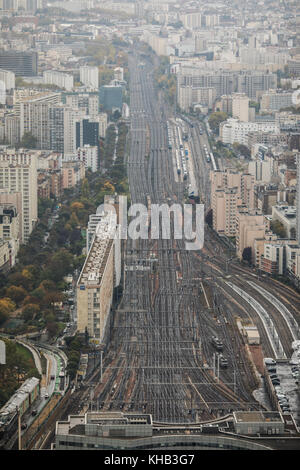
257,416
95,263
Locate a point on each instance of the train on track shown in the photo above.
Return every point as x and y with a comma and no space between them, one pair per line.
217,343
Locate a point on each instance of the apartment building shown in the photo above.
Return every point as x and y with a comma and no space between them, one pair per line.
88,102
12,129
240,107
18,173
60,79
35,117
275,100
10,229
250,225
7,77
72,172
96,281
88,154
229,189
89,76
286,215
234,130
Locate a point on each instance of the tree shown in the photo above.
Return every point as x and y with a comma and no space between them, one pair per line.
6,307
209,218
28,141
215,120
242,149
30,311
247,254
17,294
278,228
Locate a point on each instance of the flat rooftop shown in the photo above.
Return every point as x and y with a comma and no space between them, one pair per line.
257,416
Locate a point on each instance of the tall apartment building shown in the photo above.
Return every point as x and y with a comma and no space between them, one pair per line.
10,198
12,128
229,190
224,104
88,132
34,117
7,77
119,74
62,128
21,63
96,281
60,79
192,20
240,107
298,199
89,76
188,96
10,229
18,173
88,102
250,226
275,100
254,83
89,156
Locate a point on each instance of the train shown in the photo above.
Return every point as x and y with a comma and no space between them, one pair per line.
188,121
193,194
223,361
217,343
20,402
213,161
169,137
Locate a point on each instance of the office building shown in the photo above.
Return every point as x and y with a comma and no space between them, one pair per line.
21,63
111,97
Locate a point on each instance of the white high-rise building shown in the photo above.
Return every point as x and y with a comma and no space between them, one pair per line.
18,174
60,79
89,155
119,74
8,79
234,130
89,76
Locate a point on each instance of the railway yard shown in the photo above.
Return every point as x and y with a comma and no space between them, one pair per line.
173,347
161,359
